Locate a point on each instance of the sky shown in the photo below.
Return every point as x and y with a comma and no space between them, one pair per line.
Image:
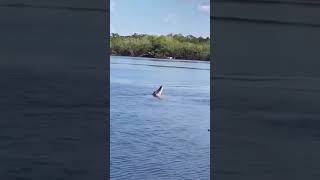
158,17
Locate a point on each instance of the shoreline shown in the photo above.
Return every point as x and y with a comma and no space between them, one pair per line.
164,59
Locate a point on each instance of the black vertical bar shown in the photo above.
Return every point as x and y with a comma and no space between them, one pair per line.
54,80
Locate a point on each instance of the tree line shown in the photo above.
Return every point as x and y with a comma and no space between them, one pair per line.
174,46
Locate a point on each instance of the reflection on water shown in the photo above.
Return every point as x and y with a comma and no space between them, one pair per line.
164,138
267,123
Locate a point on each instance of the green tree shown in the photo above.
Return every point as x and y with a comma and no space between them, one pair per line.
163,46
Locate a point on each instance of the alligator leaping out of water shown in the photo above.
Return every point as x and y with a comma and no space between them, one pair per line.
158,92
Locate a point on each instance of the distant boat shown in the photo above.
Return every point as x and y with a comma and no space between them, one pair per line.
158,92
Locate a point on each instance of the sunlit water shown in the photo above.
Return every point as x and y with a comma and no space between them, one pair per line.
164,138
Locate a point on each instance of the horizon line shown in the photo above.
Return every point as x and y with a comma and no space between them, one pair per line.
157,34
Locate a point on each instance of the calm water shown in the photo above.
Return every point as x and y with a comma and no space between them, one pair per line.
164,138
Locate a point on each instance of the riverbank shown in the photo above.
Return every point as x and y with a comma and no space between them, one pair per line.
162,59
169,46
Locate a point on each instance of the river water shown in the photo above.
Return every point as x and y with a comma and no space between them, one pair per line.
159,138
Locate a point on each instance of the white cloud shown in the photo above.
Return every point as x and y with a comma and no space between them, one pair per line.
171,18
112,13
204,8
112,29
112,6
184,1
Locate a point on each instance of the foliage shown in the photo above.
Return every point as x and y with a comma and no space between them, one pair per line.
163,46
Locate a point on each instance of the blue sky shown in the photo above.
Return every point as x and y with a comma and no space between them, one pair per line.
160,17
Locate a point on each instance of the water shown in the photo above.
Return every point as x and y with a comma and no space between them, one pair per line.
164,138
268,124
53,100
51,120
267,95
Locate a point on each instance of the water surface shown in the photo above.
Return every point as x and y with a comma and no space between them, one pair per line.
164,138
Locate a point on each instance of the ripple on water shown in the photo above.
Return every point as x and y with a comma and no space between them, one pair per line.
164,138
